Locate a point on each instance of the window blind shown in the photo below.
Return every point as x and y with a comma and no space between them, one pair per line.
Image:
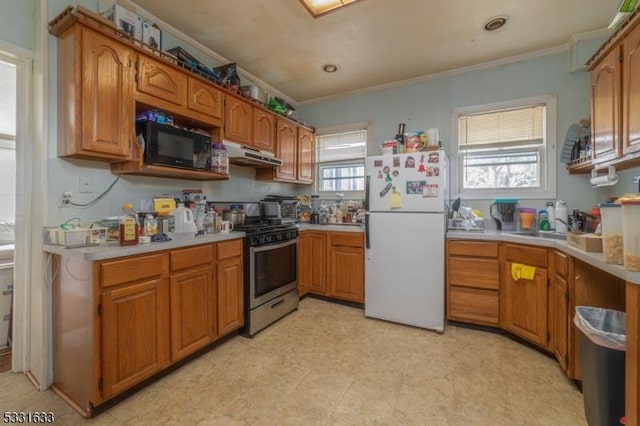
504,128
341,146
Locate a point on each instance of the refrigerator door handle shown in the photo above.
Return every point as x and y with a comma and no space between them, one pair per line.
366,192
366,231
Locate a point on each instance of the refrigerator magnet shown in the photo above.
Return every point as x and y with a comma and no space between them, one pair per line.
430,190
377,163
433,171
421,168
396,161
385,190
387,172
380,175
415,186
434,157
395,173
395,200
410,163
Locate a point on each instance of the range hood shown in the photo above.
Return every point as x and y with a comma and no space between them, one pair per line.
246,156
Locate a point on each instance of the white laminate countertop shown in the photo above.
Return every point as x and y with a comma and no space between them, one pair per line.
339,228
113,250
595,259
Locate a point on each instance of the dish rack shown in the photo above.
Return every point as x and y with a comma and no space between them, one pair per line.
476,224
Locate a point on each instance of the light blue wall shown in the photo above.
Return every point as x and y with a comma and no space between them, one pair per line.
429,104
16,22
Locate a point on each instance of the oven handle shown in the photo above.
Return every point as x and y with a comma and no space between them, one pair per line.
266,247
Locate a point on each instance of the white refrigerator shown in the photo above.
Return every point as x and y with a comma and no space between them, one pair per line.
404,231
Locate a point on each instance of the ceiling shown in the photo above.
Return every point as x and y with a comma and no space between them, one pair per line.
373,42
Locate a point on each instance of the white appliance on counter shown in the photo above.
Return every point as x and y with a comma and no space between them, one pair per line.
405,231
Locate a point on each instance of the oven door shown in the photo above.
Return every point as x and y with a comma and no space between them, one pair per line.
273,270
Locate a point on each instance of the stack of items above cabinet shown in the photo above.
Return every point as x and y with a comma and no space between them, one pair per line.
615,98
331,264
473,282
141,314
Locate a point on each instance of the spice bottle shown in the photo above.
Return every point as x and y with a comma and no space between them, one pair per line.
219,159
128,226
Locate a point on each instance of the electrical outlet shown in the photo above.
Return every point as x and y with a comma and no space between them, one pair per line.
65,199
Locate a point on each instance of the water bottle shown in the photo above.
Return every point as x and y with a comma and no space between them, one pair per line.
562,217
219,159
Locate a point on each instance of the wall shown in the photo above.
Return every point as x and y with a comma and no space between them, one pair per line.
64,174
15,22
429,104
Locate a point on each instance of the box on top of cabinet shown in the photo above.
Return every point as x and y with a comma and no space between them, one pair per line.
151,35
125,20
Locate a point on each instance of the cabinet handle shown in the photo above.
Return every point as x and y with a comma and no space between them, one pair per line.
279,302
578,277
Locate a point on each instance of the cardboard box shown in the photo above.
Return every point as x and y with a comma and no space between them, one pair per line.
125,20
151,35
585,242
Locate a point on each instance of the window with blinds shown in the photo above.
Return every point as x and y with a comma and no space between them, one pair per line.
340,159
505,149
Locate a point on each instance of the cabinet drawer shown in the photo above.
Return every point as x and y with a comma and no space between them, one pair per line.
227,249
473,248
117,272
192,256
351,239
561,262
471,272
474,305
527,255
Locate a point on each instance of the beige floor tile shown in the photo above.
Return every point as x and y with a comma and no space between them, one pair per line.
326,364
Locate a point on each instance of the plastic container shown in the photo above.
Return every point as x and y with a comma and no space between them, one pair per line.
128,226
551,212
561,217
631,227
612,240
527,217
112,223
219,159
545,225
602,357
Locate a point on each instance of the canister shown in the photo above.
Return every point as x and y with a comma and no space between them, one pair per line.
612,241
631,228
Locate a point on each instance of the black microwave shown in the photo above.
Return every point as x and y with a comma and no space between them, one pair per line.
171,146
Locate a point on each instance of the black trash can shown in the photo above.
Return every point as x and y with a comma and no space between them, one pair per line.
602,346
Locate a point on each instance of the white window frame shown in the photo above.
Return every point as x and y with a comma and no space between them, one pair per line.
341,129
547,189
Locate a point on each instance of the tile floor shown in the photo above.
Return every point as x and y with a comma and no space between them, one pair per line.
327,365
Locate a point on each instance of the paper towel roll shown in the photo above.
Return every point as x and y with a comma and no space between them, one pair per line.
433,136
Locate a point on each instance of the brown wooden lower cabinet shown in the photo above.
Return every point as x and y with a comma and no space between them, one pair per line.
331,263
119,321
482,291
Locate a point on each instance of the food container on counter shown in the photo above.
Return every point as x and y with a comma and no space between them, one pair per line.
631,226
112,223
612,241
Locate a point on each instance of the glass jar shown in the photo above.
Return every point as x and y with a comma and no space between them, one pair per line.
209,223
612,241
631,227
219,159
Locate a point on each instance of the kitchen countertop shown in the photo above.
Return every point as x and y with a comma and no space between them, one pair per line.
112,250
595,259
330,227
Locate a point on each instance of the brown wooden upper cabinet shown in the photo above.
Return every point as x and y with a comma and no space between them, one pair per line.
238,120
286,149
631,92
264,129
95,96
161,81
605,102
305,155
205,98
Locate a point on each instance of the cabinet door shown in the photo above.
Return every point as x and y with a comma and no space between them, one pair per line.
161,81
305,155
605,114
193,311
526,306
135,334
631,93
286,144
264,130
238,120
346,273
559,311
230,295
304,262
107,105
313,255
204,98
